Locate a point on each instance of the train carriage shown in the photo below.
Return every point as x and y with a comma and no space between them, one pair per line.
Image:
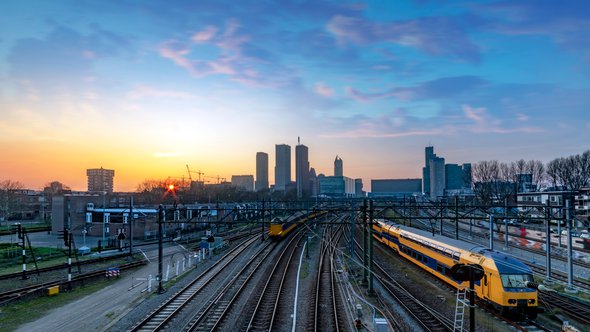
281,226
504,285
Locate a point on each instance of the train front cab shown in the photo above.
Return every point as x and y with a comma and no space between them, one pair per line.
507,286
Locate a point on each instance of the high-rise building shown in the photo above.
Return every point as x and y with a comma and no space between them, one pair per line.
358,188
261,171
467,180
302,170
428,155
100,179
437,177
338,170
245,182
282,166
453,177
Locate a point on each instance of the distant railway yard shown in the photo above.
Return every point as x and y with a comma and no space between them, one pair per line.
320,268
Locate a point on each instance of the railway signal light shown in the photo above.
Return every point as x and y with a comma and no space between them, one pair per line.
65,235
18,229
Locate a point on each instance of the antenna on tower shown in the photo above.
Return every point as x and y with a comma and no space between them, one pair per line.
298,140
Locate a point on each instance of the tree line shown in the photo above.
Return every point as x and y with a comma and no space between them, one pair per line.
496,181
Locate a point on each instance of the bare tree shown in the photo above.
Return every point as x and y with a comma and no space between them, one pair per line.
494,181
572,172
537,170
9,197
553,172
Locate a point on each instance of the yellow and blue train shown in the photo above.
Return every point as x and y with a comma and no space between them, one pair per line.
504,286
280,227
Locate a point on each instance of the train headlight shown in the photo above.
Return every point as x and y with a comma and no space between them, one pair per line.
511,301
532,301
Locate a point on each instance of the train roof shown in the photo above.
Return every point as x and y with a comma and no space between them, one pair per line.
505,264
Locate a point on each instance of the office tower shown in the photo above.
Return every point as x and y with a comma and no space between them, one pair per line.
261,171
437,177
314,186
467,176
302,169
338,170
100,179
454,177
428,155
282,166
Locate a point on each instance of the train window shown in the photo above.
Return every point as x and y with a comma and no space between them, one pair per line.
439,268
515,280
485,279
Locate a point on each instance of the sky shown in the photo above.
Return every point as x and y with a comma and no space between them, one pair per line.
148,87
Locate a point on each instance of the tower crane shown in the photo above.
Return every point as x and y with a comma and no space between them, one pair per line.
218,178
199,173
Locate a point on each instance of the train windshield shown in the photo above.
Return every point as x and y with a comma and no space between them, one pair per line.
516,280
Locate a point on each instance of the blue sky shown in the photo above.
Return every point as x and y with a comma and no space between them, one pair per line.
146,87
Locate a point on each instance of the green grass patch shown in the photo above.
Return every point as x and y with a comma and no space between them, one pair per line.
21,312
11,257
304,272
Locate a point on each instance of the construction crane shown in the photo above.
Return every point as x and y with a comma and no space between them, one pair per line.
218,178
199,173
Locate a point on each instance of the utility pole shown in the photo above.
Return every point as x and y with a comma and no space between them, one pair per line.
570,265
491,231
365,240
262,221
456,217
160,251
370,290
548,280
352,222
131,226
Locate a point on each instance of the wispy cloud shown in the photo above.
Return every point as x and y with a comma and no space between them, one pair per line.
237,57
323,90
145,91
441,88
205,35
483,122
449,39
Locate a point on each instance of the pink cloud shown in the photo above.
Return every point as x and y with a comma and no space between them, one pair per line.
323,90
485,123
205,35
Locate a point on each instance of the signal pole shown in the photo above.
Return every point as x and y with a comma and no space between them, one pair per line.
370,291
160,251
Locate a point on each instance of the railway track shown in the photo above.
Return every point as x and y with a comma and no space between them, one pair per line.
569,306
41,288
164,314
429,319
269,307
561,277
327,299
62,266
211,316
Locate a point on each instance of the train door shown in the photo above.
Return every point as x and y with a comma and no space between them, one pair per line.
487,285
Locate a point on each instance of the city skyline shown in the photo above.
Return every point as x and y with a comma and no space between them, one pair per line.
146,89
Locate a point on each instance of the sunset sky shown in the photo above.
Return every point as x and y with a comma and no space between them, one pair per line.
147,87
